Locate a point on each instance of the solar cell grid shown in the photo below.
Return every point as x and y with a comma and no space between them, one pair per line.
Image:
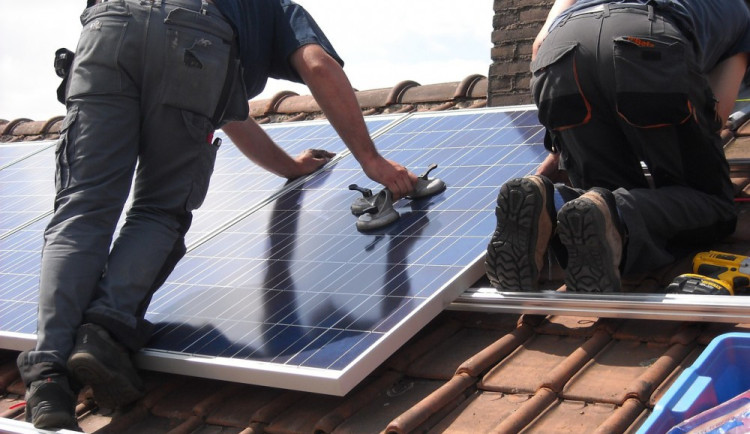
295,283
237,185
27,189
11,153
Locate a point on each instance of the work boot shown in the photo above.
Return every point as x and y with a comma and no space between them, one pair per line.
51,404
525,222
99,361
591,231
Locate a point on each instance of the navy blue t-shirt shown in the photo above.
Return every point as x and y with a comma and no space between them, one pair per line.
268,32
720,28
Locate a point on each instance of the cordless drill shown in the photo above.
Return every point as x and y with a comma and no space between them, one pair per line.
714,273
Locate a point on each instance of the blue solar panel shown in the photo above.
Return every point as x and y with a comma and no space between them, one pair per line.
279,288
295,285
238,185
19,282
13,152
27,194
27,189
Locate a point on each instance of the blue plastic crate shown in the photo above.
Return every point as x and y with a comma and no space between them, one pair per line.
720,373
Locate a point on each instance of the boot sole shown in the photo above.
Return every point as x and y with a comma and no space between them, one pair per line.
581,227
510,262
111,389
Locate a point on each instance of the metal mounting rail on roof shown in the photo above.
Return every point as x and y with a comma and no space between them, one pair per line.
676,307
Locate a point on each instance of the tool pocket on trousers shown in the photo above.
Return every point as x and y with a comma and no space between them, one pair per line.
96,69
556,88
196,61
651,82
204,151
64,150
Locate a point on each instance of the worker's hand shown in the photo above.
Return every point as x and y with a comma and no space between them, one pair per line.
397,178
311,160
550,168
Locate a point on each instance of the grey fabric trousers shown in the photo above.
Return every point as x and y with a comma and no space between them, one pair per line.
142,98
617,86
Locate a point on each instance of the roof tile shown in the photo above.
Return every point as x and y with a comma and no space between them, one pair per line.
621,370
622,418
239,407
357,400
662,388
443,400
388,404
442,360
570,326
303,418
648,330
181,403
527,411
480,413
572,417
527,369
496,351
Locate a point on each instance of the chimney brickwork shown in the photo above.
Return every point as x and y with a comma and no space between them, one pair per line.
515,25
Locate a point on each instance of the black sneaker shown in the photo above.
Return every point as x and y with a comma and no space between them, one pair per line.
525,222
99,361
591,231
51,404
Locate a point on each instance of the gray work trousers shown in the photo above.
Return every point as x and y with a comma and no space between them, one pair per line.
617,86
142,98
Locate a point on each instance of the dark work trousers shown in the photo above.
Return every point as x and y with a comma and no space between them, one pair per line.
145,84
617,86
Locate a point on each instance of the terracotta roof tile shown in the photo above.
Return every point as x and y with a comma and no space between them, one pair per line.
681,366
357,401
240,405
442,360
303,418
480,413
493,353
529,410
442,400
570,326
528,368
572,417
388,404
619,370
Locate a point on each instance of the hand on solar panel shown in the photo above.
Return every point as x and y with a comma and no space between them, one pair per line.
395,177
376,211
311,160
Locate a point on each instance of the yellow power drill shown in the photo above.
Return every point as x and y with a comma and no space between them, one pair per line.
714,273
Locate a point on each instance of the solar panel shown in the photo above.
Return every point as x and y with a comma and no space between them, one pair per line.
13,152
294,296
280,289
238,185
27,188
27,194
19,284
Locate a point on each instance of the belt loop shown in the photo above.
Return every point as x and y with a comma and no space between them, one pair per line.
651,15
204,7
605,8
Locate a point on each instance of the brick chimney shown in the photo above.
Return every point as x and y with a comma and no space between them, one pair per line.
515,25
